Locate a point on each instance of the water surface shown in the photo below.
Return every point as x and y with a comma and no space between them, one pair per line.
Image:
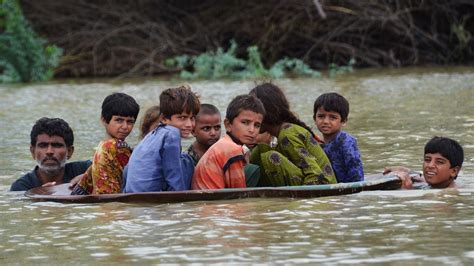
393,113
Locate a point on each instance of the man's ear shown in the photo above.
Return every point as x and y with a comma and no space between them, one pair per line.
32,151
70,151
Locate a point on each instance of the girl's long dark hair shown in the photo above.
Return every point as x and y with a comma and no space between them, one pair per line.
276,105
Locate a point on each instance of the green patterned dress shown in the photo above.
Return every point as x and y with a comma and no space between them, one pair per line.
297,160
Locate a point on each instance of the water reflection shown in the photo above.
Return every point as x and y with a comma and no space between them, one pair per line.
393,113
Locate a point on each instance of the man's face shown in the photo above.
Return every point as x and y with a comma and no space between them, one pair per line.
50,152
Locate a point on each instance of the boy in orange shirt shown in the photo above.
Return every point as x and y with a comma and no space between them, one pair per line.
222,166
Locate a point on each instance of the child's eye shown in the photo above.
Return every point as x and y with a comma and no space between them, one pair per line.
206,129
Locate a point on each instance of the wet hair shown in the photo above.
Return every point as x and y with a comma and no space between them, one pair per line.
179,100
276,104
449,148
207,109
244,103
119,104
151,115
52,127
332,102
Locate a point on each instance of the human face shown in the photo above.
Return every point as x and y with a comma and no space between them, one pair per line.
245,127
51,152
119,127
437,170
184,122
208,129
329,123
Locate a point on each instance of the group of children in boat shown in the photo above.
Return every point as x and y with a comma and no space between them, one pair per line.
265,144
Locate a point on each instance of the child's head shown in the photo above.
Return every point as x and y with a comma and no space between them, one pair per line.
443,158
276,105
207,129
330,113
244,117
178,108
150,120
119,112
332,102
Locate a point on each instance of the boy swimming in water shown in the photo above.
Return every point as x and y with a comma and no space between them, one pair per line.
443,158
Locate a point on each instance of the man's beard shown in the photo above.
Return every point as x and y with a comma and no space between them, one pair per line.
51,169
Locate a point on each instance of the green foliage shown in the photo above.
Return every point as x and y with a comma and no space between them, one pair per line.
336,70
220,64
24,56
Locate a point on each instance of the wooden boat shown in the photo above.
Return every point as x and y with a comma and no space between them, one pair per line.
61,193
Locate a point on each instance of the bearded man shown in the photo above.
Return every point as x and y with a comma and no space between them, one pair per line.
51,146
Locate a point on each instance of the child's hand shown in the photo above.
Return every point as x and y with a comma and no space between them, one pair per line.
265,138
75,180
405,177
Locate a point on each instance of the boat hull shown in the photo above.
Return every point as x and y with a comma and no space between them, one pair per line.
61,193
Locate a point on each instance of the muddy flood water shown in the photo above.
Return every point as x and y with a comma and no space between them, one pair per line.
393,113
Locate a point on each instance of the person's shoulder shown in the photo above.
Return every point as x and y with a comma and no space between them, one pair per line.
27,181
167,131
346,137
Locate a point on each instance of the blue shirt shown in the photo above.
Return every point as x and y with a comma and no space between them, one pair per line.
157,163
344,155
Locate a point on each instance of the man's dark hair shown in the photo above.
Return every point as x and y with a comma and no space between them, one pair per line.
178,100
52,127
120,104
332,102
449,148
241,103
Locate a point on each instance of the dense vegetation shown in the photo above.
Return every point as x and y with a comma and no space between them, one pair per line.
24,56
143,37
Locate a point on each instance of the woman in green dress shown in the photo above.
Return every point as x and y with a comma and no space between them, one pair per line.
298,158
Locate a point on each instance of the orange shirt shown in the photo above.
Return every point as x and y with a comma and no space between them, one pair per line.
222,166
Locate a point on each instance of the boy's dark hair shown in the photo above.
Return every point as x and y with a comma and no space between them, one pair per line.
208,109
52,127
179,100
332,102
449,148
151,115
241,103
119,104
276,105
